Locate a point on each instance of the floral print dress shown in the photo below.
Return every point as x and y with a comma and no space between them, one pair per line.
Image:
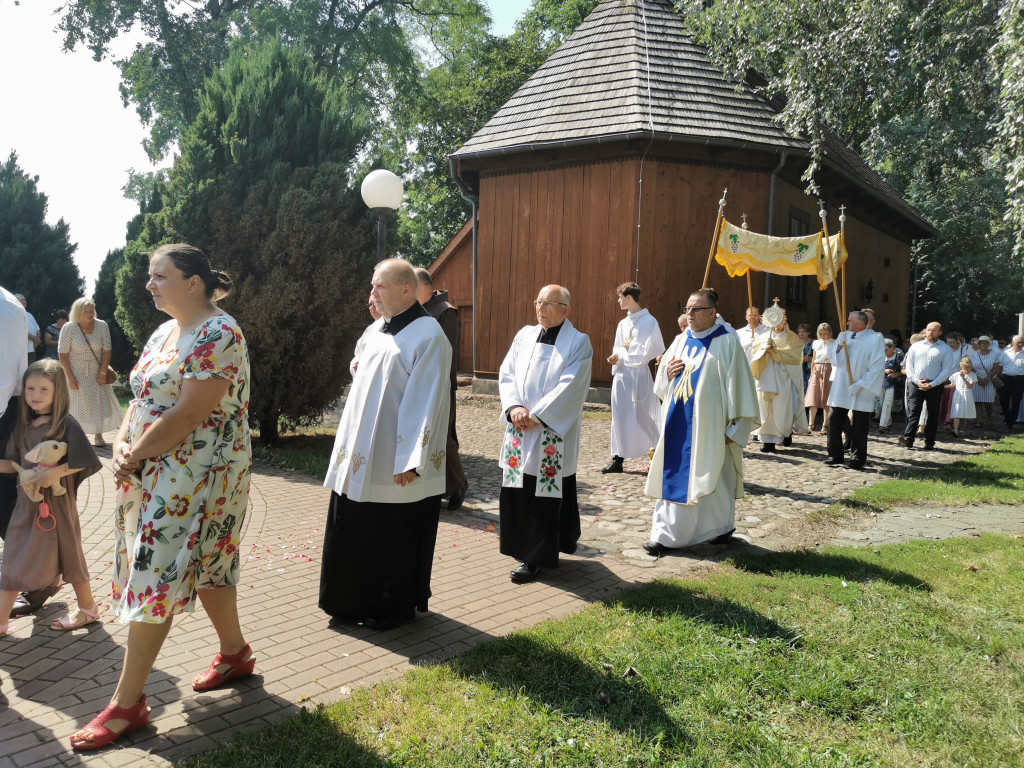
179,522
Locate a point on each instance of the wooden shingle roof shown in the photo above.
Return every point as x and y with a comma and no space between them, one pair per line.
596,88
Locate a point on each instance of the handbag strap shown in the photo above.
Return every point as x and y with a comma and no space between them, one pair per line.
90,345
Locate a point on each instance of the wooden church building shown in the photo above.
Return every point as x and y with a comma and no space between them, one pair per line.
607,166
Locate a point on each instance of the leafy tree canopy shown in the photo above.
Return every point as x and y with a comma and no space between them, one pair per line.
35,257
921,91
262,185
373,46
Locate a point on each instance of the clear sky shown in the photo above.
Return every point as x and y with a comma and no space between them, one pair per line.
62,114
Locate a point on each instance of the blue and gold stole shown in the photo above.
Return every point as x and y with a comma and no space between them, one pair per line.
678,443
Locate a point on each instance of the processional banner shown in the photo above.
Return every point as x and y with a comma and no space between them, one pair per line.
740,250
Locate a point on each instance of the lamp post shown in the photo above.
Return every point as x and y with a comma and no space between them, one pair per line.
382,192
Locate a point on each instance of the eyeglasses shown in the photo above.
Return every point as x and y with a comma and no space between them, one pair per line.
691,310
539,304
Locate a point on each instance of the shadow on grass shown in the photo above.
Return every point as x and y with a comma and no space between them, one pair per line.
755,559
662,598
310,738
556,679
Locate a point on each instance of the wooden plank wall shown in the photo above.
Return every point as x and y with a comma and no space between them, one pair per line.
455,275
577,225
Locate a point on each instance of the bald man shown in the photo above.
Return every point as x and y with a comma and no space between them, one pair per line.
387,468
543,382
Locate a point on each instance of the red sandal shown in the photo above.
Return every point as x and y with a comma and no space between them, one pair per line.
136,717
241,665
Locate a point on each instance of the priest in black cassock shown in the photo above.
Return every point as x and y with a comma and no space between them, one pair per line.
387,469
543,382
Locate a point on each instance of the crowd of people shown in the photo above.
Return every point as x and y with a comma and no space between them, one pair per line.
182,456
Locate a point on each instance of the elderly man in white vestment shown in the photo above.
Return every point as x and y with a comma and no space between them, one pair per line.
634,407
709,402
543,383
854,389
387,467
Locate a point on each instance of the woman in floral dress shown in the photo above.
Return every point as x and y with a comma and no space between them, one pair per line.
182,460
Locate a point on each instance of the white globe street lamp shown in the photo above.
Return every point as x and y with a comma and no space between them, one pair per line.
382,192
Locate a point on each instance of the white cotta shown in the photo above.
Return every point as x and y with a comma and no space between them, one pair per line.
395,418
867,364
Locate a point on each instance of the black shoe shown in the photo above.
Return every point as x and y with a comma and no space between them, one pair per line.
456,499
524,573
30,602
929,446
653,548
614,466
768,448
382,624
855,464
725,538
847,446
787,441
831,462
906,442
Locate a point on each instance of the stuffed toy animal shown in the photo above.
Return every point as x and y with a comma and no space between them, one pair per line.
46,456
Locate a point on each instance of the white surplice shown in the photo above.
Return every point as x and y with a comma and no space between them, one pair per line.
725,403
747,339
396,417
867,364
372,328
634,406
551,381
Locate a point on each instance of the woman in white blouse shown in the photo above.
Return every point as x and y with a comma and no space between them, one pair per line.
821,371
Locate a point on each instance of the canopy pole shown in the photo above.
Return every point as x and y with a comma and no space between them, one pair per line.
714,239
835,278
750,293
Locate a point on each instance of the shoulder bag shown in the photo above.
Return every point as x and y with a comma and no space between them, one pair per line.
111,373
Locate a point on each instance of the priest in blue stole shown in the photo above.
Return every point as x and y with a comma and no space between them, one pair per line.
709,402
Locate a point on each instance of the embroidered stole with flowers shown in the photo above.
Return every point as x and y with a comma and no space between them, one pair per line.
549,473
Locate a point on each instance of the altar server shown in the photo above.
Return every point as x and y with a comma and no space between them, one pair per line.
387,469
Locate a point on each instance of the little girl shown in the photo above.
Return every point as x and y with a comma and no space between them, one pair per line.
40,550
962,408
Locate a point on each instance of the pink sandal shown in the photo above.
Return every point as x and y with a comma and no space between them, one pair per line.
241,665
86,616
136,717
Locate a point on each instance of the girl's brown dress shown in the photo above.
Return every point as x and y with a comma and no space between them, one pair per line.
34,558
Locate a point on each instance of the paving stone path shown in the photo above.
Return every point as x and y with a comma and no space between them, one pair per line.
52,683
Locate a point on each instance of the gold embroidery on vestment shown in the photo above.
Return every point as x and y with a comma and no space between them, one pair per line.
437,457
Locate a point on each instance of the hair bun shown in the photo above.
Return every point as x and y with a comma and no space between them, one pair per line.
222,284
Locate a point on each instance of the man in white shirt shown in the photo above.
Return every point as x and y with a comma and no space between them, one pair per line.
1012,362
543,382
387,470
928,365
635,407
34,336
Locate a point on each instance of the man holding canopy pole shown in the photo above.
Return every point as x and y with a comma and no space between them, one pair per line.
858,366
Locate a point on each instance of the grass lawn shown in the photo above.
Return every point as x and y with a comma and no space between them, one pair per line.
993,477
842,657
